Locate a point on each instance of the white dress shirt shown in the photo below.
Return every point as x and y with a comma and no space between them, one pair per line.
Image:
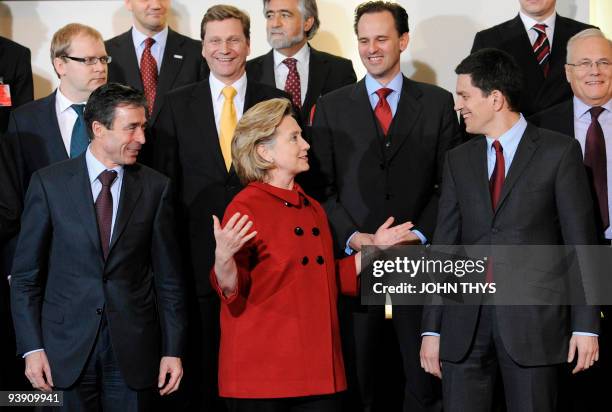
216,91
281,70
66,117
157,49
528,22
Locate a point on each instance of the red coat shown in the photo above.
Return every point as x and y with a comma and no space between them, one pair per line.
279,331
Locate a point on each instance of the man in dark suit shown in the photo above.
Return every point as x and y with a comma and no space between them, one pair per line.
293,65
152,57
378,148
15,78
193,146
97,292
536,38
516,185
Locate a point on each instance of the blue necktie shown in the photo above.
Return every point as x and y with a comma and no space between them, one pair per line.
79,139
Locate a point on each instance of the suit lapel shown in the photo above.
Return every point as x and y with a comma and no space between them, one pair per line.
365,121
478,160
318,69
169,69
524,152
267,70
406,116
49,128
82,200
127,54
521,49
557,54
131,189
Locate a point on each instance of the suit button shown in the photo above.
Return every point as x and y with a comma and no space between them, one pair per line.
306,202
315,231
495,230
320,260
305,260
388,196
287,204
382,166
99,311
298,231
388,144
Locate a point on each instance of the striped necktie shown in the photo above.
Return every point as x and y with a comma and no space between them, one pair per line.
541,48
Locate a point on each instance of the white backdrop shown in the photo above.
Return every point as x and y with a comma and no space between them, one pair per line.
441,31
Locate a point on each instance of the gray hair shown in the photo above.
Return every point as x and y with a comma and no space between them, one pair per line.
586,33
308,8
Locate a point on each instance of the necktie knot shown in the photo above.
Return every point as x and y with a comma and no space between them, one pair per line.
595,112
290,62
540,27
149,41
79,109
383,92
498,147
107,177
228,92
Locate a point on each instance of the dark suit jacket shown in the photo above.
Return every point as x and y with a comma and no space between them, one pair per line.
16,71
538,92
186,148
363,181
326,72
174,72
10,203
61,284
545,200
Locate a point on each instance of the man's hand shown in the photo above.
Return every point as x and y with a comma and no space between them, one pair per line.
174,367
588,351
361,239
430,355
38,371
388,236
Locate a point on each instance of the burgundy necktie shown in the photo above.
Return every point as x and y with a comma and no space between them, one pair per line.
148,73
383,110
541,48
104,209
497,177
595,160
292,84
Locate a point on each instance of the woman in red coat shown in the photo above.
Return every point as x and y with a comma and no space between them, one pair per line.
276,275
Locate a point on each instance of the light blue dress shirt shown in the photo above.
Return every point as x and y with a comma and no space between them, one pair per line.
157,49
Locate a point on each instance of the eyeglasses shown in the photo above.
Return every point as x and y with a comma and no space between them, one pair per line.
587,65
90,61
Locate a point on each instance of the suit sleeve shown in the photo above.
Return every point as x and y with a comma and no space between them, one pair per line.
10,200
348,74
449,137
575,208
324,177
169,282
22,89
29,268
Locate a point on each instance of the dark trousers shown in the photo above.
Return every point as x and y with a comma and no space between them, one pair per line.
323,403
101,386
468,386
369,359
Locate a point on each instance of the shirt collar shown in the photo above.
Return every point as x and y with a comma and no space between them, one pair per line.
372,85
63,102
580,107
511,138
529,22
294,196
139,38
302,56
95,167
216,86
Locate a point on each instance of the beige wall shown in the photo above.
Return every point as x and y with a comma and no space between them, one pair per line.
441,31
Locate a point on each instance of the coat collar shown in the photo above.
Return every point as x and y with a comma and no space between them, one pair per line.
295,197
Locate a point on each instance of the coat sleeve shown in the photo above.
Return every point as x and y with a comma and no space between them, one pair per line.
347,276
29,268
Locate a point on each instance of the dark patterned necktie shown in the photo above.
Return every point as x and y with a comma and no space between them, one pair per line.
292,85
497,177
79,138
148,73
104,208
541,48
595,160
382,111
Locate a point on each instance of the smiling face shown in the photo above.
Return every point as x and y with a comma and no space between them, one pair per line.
285,25
380,45
120,144
476,109
149,15
225,48
593,85
78,80
538,9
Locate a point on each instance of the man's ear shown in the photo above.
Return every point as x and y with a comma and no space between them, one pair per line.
97,128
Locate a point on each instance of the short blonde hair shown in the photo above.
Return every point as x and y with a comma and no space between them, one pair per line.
62,39
220,12
257,127
592,32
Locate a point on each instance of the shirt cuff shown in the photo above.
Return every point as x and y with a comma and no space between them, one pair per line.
32,351
420,236
348,250
430,334
585,334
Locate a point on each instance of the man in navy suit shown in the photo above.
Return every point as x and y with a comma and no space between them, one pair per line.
97,292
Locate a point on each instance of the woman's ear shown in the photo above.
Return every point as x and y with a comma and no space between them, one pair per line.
264,153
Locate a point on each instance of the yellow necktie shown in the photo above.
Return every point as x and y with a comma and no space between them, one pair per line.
227,125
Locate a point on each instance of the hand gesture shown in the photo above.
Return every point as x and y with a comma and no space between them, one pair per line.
387,236
233,236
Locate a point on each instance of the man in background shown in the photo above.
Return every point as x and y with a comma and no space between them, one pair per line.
16,85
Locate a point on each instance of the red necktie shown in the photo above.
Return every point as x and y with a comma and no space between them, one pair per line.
541,48
104,209
382,111
595,160
292,84
148,73
497,177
